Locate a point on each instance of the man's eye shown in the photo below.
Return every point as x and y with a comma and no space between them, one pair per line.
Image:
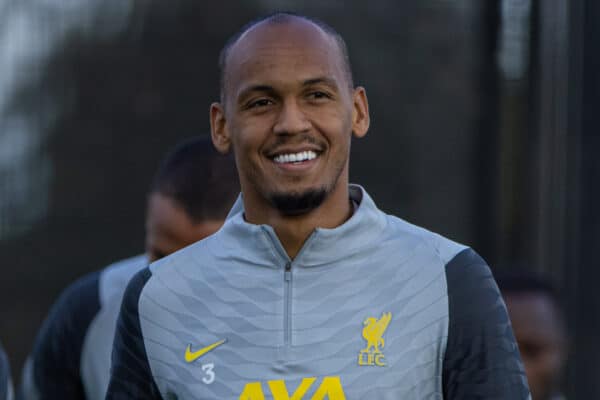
530,350
260,103
319,95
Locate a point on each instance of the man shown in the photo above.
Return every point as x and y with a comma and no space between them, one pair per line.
539,326
6,389
189,199
309,291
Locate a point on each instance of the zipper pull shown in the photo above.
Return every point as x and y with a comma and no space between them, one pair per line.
288,272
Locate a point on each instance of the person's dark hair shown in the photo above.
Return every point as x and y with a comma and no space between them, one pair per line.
201,180
525,283
281,18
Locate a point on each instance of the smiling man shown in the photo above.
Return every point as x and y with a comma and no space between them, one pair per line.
309,291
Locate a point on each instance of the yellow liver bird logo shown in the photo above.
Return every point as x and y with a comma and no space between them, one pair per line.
374,330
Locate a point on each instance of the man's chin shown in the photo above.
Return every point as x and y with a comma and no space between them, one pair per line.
298,203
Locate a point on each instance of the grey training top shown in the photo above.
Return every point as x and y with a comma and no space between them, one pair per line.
376,308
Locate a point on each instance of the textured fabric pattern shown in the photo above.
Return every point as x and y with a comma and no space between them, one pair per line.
130,370
480,339
362,312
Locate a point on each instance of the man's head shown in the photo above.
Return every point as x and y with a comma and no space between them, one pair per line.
288,110
190,197
282,18
539,328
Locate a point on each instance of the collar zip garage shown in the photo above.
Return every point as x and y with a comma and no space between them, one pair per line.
287,285
287,311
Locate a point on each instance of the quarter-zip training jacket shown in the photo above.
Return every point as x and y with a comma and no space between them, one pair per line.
376,308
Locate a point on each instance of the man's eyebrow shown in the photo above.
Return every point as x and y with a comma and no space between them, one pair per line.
324,80
270,89
255,88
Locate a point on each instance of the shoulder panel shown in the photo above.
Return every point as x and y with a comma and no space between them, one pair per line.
131,377
482,358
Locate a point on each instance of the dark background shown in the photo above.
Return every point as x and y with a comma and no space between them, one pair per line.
484,129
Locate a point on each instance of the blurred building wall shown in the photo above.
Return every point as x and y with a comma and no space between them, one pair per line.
581,268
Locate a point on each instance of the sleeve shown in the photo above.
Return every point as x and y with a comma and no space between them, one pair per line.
131,376
482,359
6,390
53,368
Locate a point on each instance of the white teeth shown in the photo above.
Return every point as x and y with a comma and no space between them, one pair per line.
295,157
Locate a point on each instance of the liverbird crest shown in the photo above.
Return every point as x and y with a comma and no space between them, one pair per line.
373,334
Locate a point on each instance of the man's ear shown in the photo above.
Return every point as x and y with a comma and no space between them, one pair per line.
360,112
218,128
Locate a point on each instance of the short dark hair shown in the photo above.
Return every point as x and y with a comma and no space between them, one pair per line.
201,180
281,18
527,282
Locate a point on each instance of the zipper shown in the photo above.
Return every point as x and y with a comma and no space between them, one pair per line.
287,281
287,305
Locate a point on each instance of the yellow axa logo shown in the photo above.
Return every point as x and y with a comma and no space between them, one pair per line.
191,356
373,334
329,388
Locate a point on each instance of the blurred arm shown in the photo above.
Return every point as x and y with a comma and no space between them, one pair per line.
6,390
52,370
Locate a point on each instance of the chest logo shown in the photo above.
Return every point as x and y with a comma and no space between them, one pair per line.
191,356
373,331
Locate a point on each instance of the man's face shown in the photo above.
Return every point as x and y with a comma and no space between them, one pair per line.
168,227
541,338
289,114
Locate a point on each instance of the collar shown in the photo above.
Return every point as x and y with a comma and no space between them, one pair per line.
259,244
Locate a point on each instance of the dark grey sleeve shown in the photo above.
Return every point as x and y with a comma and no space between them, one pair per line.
5,381
131,377
482,358
56,354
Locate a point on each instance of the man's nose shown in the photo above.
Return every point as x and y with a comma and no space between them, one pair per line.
291,119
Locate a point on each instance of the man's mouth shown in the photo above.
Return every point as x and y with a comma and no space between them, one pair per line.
301,156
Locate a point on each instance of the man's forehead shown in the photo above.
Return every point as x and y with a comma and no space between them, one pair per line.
532,309
293,35
291,26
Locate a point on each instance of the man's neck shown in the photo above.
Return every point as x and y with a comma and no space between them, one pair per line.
293,231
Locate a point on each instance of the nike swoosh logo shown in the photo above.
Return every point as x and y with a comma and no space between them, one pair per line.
193,356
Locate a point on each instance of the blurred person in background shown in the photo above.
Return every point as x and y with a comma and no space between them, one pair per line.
538,322
309,290
6,388
189,199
